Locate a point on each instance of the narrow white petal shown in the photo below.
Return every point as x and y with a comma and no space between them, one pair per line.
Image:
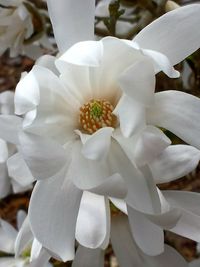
138,81
175,34
24,237
72,21
8,235
43,156
91,227
148,236
179,113
174,162
55,230
21,216
5,187
120,204
86,257
161,63
126,251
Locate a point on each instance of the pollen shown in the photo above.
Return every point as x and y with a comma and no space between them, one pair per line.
96,114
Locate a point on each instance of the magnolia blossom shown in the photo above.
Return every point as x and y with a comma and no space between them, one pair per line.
11,240
16,28
9,181
89,129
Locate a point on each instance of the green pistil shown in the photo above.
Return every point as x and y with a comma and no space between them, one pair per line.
26,253
96,110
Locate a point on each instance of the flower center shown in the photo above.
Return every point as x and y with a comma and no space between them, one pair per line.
96,114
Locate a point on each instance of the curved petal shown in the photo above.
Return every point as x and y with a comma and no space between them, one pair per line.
131,115
8,236
174,162
86,257
161,63
138,81
171,34
88,53
61,196
36,153
148,236
72,21
97,145
179,113
120,204
42,259
91,227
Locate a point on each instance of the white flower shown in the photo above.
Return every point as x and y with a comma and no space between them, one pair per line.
11,181
92,127
28,249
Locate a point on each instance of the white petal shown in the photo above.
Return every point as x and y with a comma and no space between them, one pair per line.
138,81
174,162
131,115
161,63
86,257
19,171
24,237
179,113
171,34
91,227
35,249
10,127
3,151
43,156
148,236
26,94
151,142
8,235
98,145
55,231
42,260
72,21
